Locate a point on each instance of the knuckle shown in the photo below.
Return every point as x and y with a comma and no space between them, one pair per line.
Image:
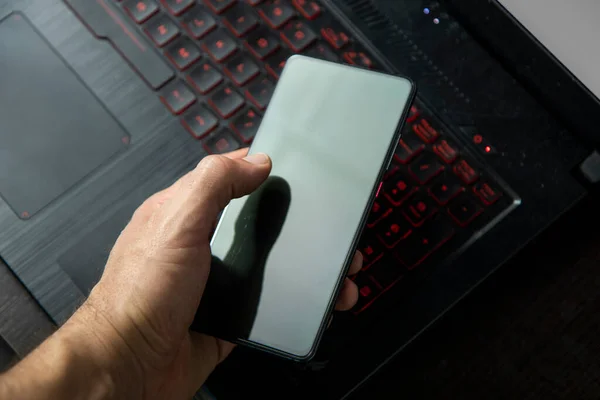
215,165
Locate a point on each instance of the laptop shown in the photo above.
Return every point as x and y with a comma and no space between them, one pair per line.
104,102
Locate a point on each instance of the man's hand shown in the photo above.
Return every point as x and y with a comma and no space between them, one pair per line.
133,329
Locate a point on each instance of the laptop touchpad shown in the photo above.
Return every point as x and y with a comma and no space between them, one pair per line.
53,130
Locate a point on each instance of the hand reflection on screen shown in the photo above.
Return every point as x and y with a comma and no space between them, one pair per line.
230,301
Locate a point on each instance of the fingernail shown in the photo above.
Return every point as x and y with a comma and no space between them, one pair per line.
258,158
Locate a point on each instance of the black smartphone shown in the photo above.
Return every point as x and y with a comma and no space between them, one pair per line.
280,255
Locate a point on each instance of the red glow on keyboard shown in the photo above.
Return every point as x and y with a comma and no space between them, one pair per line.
488,149
365,291
477,139
141,6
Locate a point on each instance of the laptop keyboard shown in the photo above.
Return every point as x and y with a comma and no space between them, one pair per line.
227,56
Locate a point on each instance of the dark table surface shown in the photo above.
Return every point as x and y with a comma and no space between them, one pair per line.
530,331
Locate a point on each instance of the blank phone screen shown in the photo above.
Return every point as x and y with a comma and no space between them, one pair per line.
279,253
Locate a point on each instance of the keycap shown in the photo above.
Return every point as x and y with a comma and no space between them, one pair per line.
241,69
367,292
408,148
386,272
140,10
425,131
465,172
418,208
106,22
445,189
260,92
178,7
262,43
177,97
298,35
219,44
183,53
394,229
276,13
162,30
322,52
464,209
398,187
198,22
199,122
371,249
425,167
424,241
446,150
226,101
221,141
335,35
487,192
358,58
413,114
308,8
240,19
381,209
219,6
246,125
204,78
276,62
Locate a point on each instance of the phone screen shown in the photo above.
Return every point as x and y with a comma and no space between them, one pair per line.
279,254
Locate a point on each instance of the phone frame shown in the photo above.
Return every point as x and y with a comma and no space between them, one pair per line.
387,159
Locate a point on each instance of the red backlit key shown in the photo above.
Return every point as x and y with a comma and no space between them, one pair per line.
425,131
413,114
335,36
426,167
408,148
446,151
372,250
276,13
226,101
464,209
254,2
177,7
385,272
398,187
162,30
262,43
298,35
419,208
424,241
240,19
183,53
199,122
465,172
358,58
177,97
380,210
308,8
487,193
198,22
219,45
322,52
394,229
219,6
141,10
367,292
241,69
221,141
276,62
260,92
246,125
204,78
445,189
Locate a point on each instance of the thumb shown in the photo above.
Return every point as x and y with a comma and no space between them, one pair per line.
205,191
